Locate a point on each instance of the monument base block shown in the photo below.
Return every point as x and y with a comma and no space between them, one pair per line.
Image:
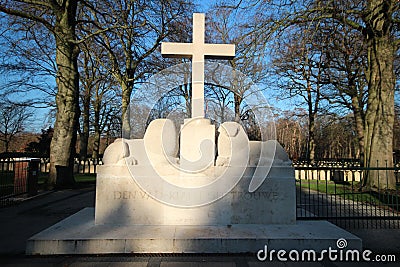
78,234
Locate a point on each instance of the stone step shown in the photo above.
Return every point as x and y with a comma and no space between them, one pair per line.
78,234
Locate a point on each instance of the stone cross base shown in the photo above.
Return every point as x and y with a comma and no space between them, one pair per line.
197,145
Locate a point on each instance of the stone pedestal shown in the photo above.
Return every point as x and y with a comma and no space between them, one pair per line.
120,201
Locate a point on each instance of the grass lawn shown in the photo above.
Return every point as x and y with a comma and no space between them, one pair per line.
85,178
349,191
79,178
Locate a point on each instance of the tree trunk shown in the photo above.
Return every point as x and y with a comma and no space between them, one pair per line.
96,142
7,144
88,84
312,116
311,138
84,137
237,93
238,101
62,149
187,94
96,145
126,99
359,123
381,86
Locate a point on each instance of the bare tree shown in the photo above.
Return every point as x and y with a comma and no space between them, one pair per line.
89,78
299,64
292,131
106,107
219,102
139,28
396,141
336,137
28,62
59,18
378,22
13,119
346,62
239,27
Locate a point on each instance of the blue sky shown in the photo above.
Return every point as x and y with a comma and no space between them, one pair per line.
41,118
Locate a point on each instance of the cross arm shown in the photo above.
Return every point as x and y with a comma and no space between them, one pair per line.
176,50
219,51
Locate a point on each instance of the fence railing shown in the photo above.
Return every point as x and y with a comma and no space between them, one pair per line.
338,193
18,179
87,166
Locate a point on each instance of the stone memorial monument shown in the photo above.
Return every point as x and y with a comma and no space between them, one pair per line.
190,193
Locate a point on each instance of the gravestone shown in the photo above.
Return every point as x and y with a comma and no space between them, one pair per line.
159,195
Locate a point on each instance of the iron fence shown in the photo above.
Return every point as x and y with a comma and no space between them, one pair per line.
18,179
338,193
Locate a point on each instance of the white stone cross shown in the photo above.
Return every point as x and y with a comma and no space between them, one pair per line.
198,51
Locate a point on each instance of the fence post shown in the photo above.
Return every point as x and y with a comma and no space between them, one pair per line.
33,174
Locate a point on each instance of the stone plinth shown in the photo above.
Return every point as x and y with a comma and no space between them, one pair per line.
120,201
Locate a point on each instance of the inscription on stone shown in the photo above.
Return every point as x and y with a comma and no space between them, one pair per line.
236,196
262,195
130,195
